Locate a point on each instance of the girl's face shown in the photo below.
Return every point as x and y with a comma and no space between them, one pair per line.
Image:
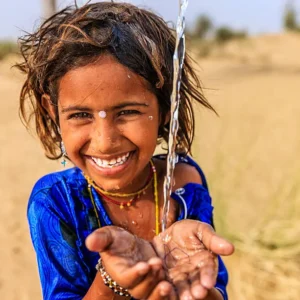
109,123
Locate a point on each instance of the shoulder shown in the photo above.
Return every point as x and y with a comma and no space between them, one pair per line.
51,180
186,171
52,189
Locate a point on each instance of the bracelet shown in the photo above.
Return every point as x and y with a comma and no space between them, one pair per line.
108,281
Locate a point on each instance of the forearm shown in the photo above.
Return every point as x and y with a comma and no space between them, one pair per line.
99,291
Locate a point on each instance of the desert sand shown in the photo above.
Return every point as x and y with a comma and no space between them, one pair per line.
249,153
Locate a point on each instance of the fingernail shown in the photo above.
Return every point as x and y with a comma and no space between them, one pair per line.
164,292
207,281
197,292
142,268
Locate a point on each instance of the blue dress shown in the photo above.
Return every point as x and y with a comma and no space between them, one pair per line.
61,216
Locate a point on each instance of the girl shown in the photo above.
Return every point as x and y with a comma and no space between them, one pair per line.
99,80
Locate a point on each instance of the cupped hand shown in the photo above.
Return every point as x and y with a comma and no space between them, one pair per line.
189,250
131,262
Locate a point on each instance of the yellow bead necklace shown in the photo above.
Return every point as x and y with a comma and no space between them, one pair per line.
155,189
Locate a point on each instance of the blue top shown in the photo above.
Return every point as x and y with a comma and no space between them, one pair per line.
61,216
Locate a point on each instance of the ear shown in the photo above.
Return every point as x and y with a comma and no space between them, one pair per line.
48,106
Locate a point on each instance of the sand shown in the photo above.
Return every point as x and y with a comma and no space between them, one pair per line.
249,153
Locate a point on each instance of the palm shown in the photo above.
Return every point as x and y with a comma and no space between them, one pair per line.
188,249
124,252
180,242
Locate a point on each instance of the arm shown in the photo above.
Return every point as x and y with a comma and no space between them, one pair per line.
63,273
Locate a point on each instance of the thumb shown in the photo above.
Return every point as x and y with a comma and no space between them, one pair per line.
214,242
100,240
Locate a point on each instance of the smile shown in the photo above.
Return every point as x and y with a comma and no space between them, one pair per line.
115,162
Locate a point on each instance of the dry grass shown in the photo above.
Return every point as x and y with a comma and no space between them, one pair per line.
249,153
250,156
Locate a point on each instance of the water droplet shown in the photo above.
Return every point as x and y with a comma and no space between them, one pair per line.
166,238
200,235
150,118
134,223
140,215
128,75
124,225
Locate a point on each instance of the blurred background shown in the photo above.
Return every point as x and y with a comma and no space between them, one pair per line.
247,54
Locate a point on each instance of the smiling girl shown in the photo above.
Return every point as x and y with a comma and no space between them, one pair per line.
99,80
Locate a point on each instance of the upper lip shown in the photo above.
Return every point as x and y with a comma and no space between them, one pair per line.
110,157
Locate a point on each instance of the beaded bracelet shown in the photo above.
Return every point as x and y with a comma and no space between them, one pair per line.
108,281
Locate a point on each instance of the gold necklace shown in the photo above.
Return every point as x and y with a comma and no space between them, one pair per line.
123,195
156,200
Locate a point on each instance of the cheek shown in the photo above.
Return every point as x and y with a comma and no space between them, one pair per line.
74,140
144,132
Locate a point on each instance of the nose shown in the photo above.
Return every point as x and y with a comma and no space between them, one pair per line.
105,137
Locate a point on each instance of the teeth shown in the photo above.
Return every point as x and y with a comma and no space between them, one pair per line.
111,163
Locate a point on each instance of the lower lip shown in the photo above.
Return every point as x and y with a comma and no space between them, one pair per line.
111,171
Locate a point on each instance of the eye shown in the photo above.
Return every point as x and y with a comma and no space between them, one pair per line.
80,116
129,112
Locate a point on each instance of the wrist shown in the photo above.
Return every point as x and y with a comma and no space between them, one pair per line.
98,290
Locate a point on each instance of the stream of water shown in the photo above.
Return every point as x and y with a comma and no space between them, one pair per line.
178,60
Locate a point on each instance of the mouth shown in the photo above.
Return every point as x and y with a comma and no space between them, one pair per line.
113,165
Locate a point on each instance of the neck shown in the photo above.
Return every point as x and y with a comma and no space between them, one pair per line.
135,189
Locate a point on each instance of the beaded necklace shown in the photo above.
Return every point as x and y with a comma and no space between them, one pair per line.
104,194
155,189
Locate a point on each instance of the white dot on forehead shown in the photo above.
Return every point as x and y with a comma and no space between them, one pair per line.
150,117
102,114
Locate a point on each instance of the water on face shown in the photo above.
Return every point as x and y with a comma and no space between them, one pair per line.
178,60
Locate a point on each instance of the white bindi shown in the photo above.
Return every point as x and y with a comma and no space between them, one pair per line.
102,114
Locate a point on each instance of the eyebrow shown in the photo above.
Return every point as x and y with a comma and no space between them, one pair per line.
115,107
75,107
124,104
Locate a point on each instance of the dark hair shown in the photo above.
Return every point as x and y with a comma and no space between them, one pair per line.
74,37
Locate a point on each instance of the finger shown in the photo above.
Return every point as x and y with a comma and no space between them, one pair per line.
208,275
207,265
197,290
212,241
182,286
163,291
99,240
144,288
155,263
130,277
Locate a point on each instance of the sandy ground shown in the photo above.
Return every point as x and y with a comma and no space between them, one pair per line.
249,153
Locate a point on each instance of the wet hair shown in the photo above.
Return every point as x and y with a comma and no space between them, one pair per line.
75,37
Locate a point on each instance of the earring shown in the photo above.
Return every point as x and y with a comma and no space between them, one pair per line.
64,154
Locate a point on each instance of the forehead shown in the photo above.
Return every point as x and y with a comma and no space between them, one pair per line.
106,80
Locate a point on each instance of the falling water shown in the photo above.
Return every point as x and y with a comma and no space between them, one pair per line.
178,60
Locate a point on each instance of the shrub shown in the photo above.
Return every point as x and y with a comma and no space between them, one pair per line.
7,47
290,18
203,26
224,34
